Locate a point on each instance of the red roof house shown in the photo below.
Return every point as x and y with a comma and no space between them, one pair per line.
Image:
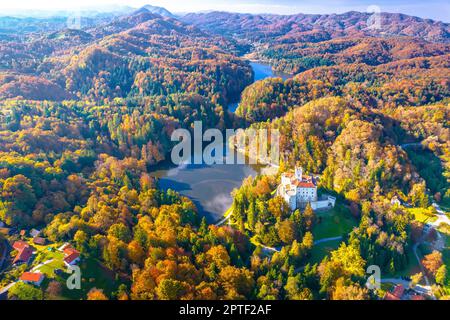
72,256
19,245
396,294
24,252
35,278
390,296
398,291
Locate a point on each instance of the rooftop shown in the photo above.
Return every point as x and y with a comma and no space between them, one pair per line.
20,245
32,276
24,255
71,257
398,291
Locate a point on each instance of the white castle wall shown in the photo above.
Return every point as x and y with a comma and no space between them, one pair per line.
323,204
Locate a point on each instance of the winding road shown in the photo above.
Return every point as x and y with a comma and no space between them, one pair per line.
442,218
5,290
328,240
413,144
225,219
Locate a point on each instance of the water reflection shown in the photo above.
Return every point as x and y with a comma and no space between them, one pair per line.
210,187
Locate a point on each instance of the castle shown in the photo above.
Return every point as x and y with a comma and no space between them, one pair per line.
298,190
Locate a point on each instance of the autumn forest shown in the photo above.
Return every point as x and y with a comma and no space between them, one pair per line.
86,117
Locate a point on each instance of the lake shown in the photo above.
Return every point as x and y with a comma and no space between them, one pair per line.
262,71
210,187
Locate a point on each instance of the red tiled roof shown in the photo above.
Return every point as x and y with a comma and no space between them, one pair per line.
19,245
390,296
31,277
24,255
304,184
398,291
69,250
417,297
72,257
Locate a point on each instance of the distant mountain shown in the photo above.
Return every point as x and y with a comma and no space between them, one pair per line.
158,10
290,28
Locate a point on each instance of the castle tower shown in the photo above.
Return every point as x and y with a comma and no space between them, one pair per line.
299,173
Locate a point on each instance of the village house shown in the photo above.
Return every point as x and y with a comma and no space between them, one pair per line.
298,190
35,233
35,278
24,253
400,293
39,241
396,294
72,256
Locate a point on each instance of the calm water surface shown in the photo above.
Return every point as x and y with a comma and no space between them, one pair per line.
210,187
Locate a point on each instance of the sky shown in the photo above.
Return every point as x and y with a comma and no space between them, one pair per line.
434,9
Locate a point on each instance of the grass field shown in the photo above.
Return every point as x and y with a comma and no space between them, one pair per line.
57,263
422,215
333,223
93,275
320,251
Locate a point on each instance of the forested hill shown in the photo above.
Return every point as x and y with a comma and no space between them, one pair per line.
134,55
317,27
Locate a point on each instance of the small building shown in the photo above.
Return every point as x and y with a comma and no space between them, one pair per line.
23,233
390,296
35,278
35,233
20,245
39,241
24,253
23,256
72,256
397,293
399,290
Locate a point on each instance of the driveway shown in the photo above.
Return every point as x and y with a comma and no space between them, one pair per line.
41,265
5,290
224,220
328,240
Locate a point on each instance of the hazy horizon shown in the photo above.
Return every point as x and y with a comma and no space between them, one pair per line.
436,9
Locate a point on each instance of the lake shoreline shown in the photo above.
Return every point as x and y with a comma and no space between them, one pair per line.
210,187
